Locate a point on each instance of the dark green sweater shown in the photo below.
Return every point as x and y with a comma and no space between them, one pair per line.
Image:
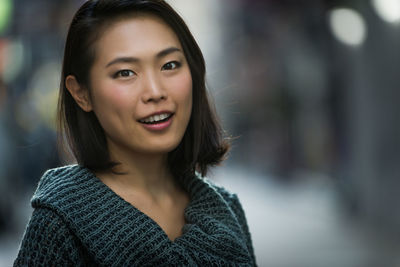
79,221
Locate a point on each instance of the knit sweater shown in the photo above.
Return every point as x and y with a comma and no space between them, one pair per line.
79,221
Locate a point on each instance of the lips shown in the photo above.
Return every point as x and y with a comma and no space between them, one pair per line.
157,122
157,118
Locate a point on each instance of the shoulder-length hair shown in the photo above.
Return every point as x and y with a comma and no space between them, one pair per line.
203,144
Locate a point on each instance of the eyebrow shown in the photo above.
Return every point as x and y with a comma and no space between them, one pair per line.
159,55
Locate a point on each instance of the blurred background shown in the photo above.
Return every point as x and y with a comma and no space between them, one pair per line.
308,88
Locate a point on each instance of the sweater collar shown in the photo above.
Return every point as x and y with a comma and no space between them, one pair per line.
107,225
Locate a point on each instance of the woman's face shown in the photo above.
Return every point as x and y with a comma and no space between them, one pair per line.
141,86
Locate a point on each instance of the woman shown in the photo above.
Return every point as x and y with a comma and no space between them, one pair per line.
134,108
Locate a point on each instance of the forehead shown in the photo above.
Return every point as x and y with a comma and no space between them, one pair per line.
139,36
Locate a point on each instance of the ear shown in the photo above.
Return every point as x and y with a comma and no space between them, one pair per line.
79,93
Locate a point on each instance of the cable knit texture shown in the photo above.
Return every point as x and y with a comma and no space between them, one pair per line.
79,221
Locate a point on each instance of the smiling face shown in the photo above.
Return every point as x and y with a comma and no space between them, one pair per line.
140,86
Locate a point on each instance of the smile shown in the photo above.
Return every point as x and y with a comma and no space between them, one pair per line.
154,119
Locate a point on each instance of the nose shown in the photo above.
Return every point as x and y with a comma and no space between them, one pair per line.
153,90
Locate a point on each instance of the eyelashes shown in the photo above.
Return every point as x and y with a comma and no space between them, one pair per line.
127,73
171,65
123,74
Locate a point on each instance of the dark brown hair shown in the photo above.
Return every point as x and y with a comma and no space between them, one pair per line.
202,144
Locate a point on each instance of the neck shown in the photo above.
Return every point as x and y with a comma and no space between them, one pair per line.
139,171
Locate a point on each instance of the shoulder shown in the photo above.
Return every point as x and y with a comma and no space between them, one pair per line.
56,177
199,186
59,175
225,193
61,183
230,198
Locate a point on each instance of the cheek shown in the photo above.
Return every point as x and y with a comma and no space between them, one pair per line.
183,90
111,97
113,108
189,94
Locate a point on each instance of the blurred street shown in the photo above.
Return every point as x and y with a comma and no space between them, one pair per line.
302,224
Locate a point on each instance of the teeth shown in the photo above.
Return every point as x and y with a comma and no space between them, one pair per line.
156,118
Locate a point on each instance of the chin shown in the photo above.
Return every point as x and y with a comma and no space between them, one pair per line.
160,148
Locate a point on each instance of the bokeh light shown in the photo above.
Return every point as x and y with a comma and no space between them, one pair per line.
5,14
14,59
348,26
44,92
388,10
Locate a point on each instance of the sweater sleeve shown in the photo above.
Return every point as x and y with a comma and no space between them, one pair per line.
48,242
238,210
236,206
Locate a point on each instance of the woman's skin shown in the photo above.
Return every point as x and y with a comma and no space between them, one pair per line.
140,70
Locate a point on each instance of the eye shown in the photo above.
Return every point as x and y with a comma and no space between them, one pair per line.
124,73
171,65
